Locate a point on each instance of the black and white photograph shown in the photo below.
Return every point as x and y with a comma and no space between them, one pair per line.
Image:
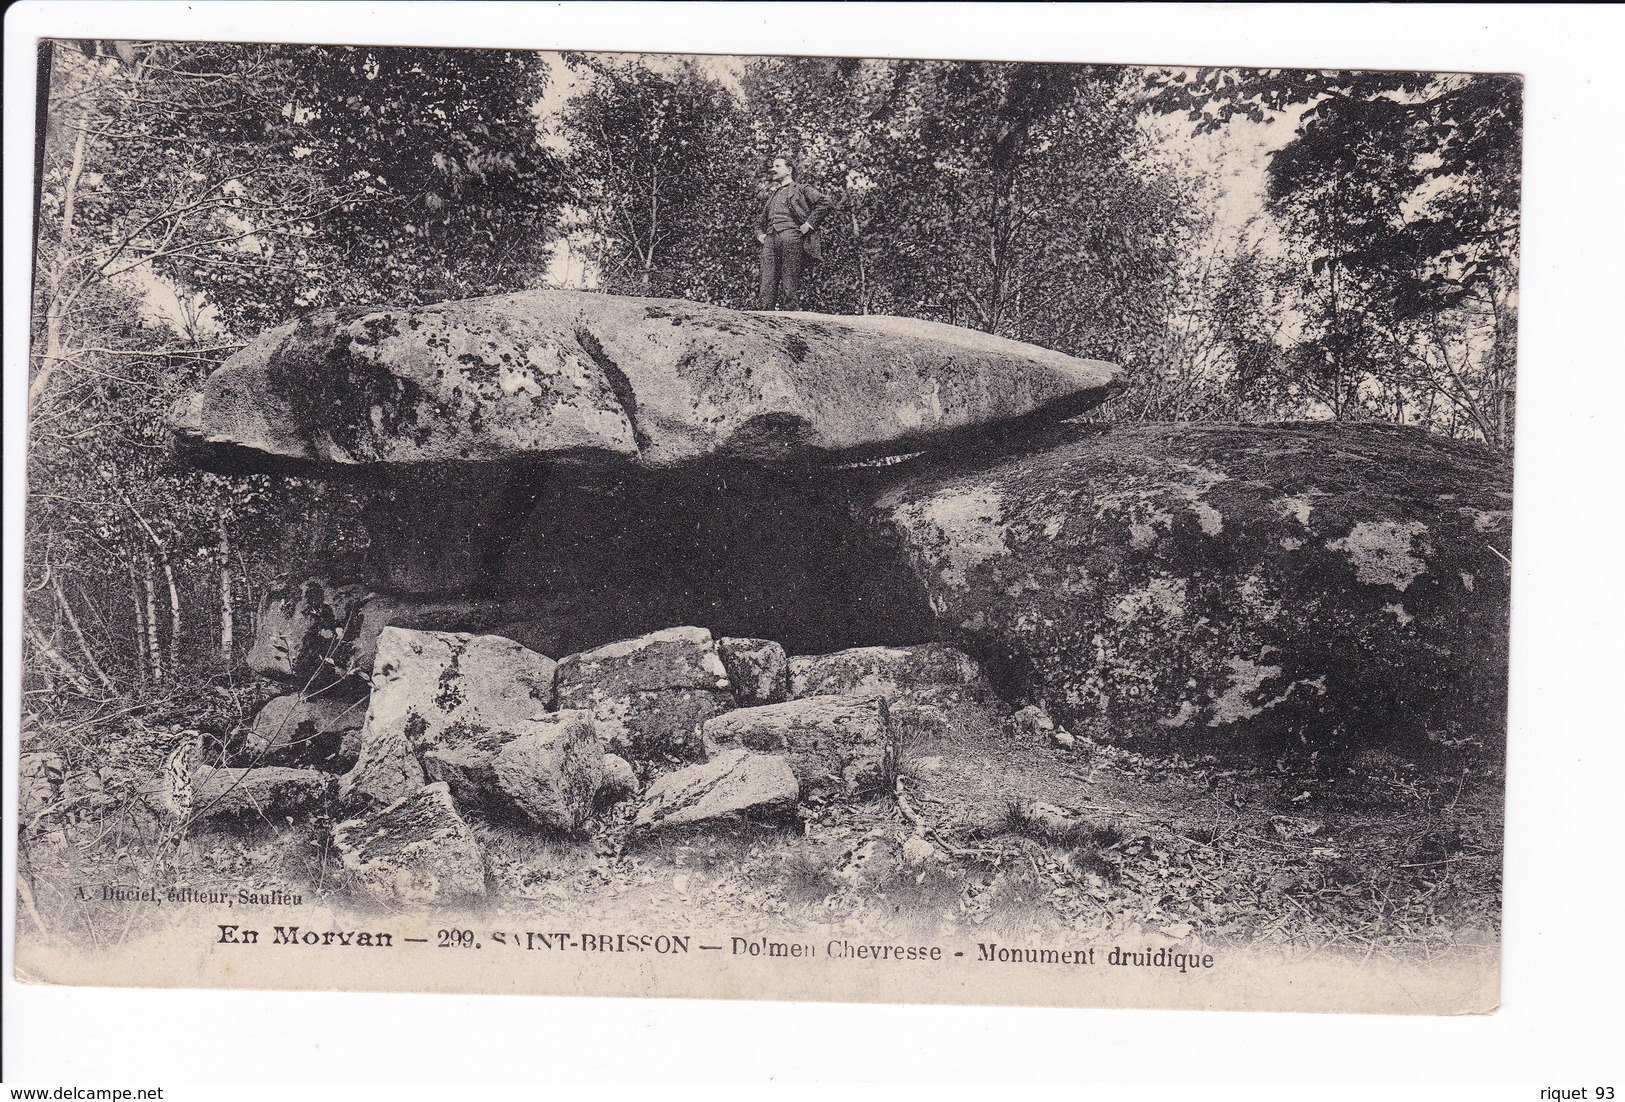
768,526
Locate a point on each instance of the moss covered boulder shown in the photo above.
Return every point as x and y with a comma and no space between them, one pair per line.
1211,588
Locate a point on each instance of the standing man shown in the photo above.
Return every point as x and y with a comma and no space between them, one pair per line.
788,231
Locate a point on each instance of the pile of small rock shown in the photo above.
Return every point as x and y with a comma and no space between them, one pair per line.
690,727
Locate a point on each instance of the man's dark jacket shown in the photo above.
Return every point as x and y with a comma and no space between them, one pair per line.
808,206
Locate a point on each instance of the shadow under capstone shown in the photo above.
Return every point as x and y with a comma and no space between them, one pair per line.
576,556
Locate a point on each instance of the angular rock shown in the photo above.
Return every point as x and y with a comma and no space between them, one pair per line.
386,768
269,795
322,730
924,684
675,658
836,745
436,690
468,770
655,381
1225,587
1034,722
735,782
538,782
757,668
649,696
553,770
417,850
927,672
659,725
312,630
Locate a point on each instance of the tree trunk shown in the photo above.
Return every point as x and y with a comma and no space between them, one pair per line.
245,582
174,593
155,654
141,664
55,308
58,659
227,639
174,612
863,268
646,276
78,634
1337,343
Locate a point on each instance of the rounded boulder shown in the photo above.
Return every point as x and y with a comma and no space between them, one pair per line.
1208,588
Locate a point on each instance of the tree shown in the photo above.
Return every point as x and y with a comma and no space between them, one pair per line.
190,194
1008,197
1400,194
659,161
459,196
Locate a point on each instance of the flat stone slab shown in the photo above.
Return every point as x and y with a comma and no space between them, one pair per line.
649,695
836,745
657,382
735,782
928,671
673,658
269,795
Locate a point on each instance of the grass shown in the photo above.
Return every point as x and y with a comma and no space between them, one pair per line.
806,878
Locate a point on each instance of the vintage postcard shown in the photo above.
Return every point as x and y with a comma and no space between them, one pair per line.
768,527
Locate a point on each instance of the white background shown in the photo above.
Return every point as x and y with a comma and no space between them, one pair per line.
1558,1025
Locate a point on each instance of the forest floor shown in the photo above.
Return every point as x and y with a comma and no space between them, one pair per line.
1375,857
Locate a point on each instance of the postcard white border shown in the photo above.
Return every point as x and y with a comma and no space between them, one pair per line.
1561,968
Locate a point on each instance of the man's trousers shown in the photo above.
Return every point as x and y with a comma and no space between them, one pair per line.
782,258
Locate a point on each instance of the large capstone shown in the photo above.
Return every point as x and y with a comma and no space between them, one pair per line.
656,382
1209,587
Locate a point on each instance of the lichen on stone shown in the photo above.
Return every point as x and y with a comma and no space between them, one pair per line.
1382,552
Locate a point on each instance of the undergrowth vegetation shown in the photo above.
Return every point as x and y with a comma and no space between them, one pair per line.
1372,856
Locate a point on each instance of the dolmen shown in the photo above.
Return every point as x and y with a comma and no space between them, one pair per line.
565,472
